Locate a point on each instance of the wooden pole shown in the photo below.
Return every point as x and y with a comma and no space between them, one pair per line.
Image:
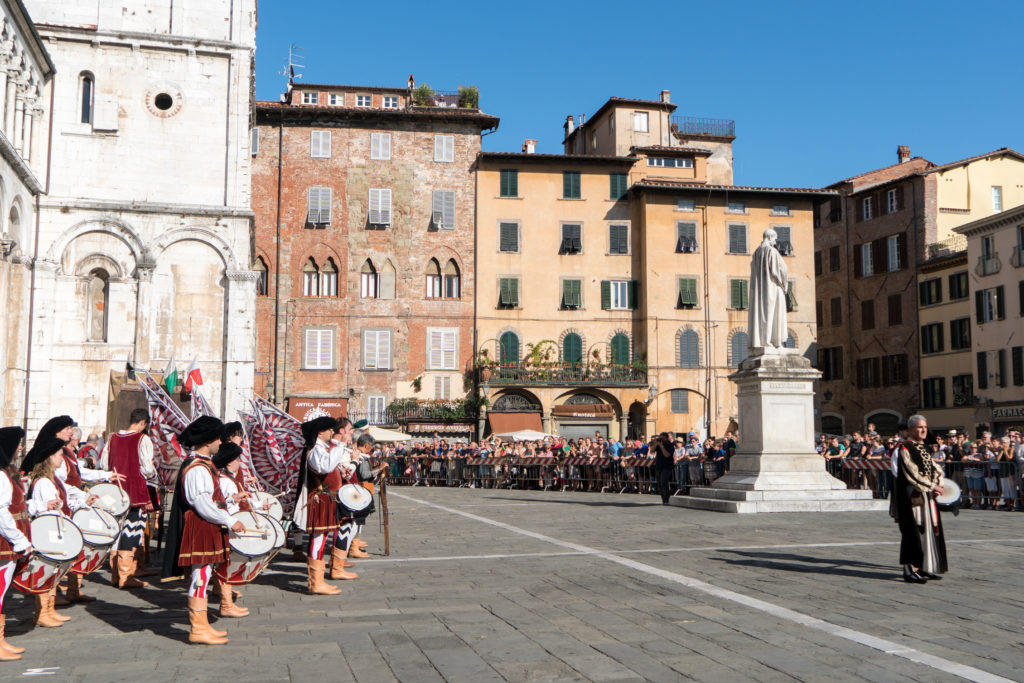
385,515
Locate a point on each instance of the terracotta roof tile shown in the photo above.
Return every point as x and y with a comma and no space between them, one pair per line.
1002,151
683,185
664,148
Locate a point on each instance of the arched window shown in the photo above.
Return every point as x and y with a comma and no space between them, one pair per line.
87,88
689,349
368,281
433,280
98,296
329,279
508,351
14,225
832,424
262,278
790,342
452,283
620,349
740,347
310,278
386,279
572,349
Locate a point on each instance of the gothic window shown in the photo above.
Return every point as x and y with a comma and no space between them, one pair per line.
87,95
310,278
329,279
262,277
368,281
452,282
508,349
386,281
620,349
572,349
433,280
98,295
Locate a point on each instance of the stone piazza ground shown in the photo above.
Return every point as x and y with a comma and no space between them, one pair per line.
491,585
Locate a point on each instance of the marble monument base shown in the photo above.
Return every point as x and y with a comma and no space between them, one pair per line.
776,468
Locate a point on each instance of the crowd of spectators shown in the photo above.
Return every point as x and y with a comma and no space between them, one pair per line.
988,469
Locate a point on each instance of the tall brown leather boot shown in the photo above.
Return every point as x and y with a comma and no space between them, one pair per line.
356,552
8,652
201,633
139,555
338,565
317,586
126,571
52,604
228,608
75,593
112,559
43,612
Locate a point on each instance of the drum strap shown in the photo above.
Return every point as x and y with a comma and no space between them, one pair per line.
20,516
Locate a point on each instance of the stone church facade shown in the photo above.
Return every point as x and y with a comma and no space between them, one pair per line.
143,249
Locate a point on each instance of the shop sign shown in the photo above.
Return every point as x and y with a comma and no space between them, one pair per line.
306,409
1008,412
430,428
601,411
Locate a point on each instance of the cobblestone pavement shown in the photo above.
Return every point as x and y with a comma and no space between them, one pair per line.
525,585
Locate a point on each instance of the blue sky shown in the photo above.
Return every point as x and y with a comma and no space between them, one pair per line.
819,90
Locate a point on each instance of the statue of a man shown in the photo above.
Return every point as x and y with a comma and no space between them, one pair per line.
768,281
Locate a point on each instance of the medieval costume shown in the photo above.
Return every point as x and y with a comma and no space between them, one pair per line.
319,481
227,454
197,534
923,545
344,535
358,546
44,489
15,530
131,455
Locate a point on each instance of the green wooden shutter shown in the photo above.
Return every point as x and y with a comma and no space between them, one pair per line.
508,237
617,185
606,294
509,182
687,292
791,298
982,370
620,349
572,348
1000,306
618,242
634,294
514,291
571,184
738,294
504,292
509,349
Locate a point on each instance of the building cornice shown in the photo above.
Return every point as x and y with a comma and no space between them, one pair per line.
1008,218
91,34
21,168
146,207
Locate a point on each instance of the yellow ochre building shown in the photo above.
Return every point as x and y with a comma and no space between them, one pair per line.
612,279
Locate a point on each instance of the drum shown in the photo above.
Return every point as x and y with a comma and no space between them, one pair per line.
56,544
251,550
353,500
113,499
281,535
99,532
258,498
950,494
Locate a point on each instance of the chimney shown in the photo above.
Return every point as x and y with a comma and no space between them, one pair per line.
664,96
903,152
529,147
570,125
583,119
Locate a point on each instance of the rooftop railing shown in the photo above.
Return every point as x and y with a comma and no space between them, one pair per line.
691,125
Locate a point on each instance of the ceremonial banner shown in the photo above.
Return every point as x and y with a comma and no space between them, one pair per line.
166,421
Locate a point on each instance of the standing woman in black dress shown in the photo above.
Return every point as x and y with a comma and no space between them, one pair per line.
918,482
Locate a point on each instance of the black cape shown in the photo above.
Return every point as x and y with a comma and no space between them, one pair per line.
176,525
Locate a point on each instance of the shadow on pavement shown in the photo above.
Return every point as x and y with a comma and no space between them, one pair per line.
589,503
810,565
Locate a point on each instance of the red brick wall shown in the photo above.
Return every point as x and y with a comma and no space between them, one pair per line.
409,243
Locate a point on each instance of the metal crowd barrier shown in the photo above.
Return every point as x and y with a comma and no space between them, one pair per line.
983,484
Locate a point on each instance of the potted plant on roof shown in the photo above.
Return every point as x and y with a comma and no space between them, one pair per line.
469,97
423,95
485,363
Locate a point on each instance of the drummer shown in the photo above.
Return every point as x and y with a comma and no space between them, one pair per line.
341,448
48,495
14,527
319,481
197,536
358,546
228,465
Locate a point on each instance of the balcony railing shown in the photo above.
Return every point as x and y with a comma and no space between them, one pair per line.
988,266
691,125
441,412
565,374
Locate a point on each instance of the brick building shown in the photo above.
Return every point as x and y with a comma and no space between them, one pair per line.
365,223
869,244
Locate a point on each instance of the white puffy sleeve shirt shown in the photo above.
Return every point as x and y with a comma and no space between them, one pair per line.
8,529
228,487
199,494
44,490
324,461
344,455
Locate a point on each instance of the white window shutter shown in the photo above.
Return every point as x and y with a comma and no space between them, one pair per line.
325,205
313,205
326,344
384,349
375,145
448,341
370,349
449,148
435,355
437,208
385,146
374,215
438,148
385,207
254,144
312,341
449,209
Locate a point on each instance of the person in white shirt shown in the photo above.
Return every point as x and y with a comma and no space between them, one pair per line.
14,528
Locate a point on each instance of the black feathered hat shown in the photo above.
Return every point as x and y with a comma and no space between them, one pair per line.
40,451
315,426
54,425
10,437
202,431
227,453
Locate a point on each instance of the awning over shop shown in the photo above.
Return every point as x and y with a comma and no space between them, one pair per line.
513,422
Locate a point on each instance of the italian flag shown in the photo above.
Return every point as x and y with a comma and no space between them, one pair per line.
193,378
171,376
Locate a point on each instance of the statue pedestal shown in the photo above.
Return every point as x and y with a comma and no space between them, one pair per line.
776,468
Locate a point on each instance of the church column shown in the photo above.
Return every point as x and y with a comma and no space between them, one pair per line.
546,421
623,426
19,118
143,313
9,102
33,139
239,363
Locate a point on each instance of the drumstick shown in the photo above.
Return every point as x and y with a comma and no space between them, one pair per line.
118,482
60,527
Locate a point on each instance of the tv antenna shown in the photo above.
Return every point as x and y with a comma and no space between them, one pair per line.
292,68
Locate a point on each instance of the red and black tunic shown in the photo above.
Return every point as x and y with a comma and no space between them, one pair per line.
124,459
239,478
323,488
18,510
202,542
74,477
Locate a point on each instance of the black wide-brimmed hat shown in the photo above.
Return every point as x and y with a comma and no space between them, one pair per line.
202,431
232,428
226,454
313,427
54,425
40,451
10,437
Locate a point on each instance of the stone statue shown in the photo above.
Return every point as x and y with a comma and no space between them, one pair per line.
768,281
